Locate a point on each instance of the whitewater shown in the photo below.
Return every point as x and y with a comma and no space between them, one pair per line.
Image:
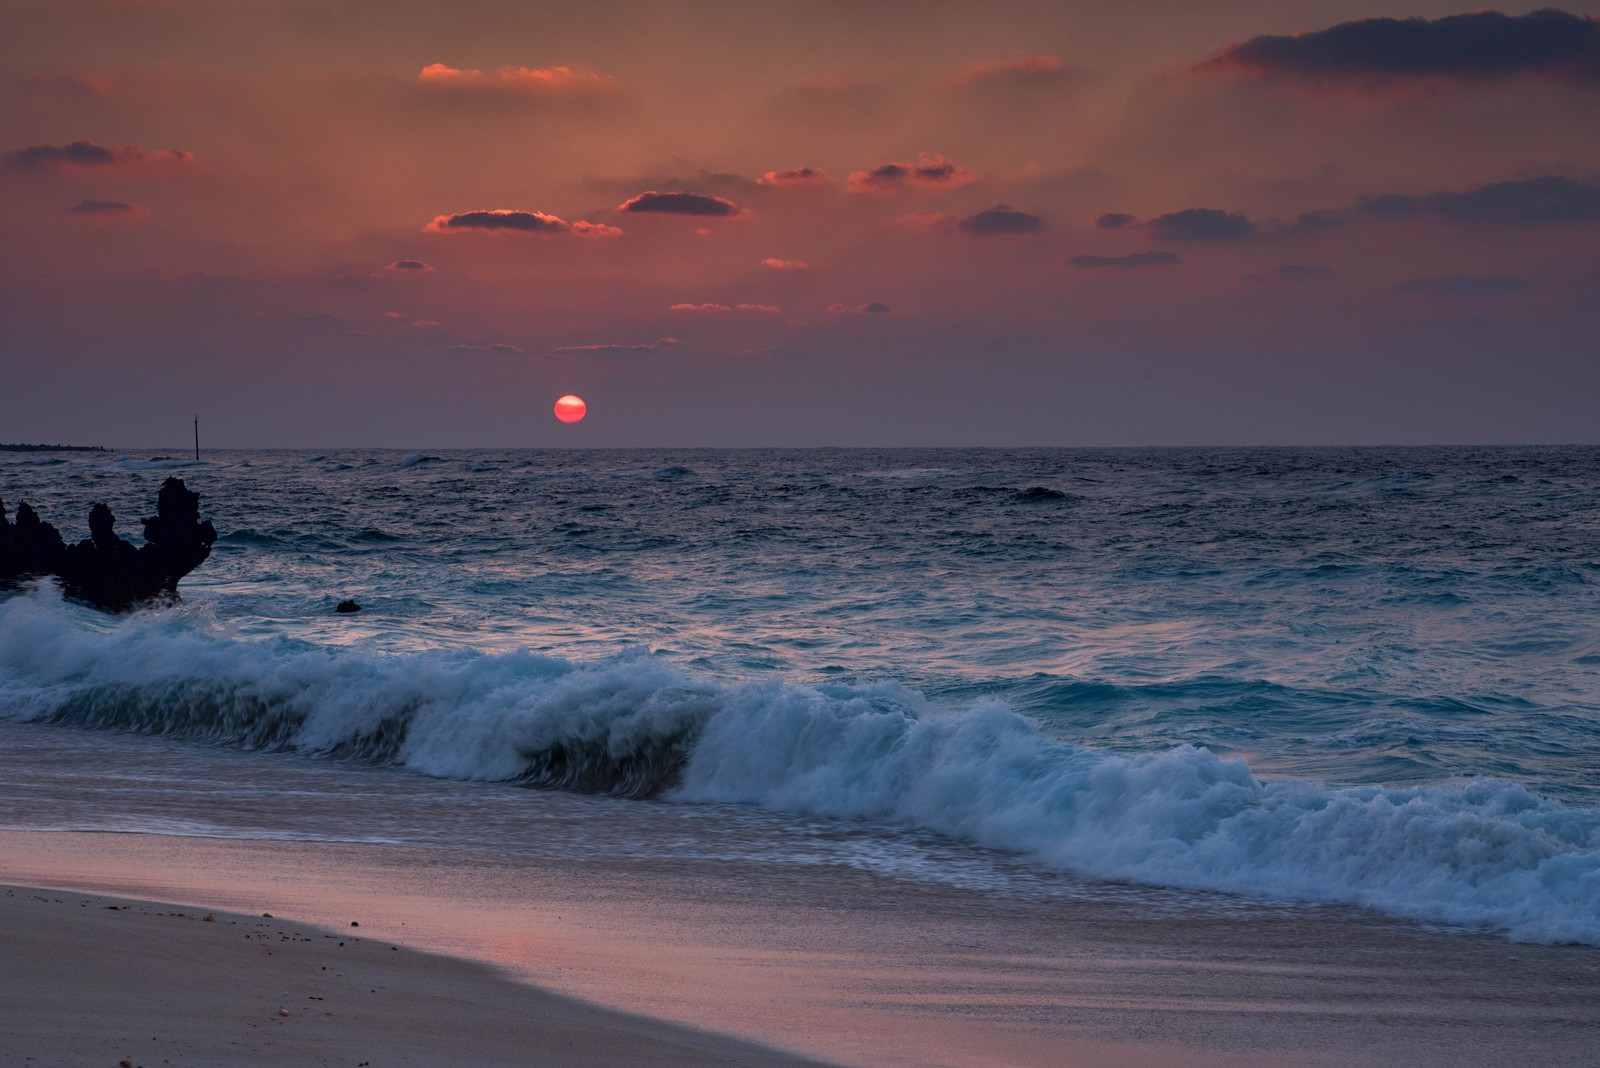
1305,677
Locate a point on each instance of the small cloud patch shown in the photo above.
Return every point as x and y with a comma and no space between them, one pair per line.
410,265
796,178
1200,224
658,345
1133,259
699,205
1001,219
573,83
87,155
507,220
108,209
929,171
1292,273
719,308
1019,73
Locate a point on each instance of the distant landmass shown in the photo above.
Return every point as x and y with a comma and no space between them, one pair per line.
52,448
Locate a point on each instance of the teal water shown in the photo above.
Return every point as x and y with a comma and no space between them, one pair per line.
1365,676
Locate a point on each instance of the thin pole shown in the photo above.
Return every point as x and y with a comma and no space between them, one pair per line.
197,437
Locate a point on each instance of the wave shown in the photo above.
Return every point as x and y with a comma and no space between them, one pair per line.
156,463
1483,854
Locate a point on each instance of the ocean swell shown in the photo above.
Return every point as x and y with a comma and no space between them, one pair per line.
1483,854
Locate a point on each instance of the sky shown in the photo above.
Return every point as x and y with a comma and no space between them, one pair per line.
354,223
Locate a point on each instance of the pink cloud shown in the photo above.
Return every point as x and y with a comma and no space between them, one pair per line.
720,308
928,220
796,177
508,220
777,264
876,307
1018,72
548,83
659,344
929,171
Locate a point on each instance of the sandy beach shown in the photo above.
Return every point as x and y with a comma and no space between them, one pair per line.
96,980
842,969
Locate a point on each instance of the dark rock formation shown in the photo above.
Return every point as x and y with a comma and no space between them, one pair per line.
347,606
104,570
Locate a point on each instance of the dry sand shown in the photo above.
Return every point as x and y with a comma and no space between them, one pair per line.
91,980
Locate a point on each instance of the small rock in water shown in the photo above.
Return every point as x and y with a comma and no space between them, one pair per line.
348,606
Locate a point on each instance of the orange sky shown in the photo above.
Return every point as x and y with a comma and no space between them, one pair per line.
403,223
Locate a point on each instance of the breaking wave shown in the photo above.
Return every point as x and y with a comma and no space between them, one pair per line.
1485,854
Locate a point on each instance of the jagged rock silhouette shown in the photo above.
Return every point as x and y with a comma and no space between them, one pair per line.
104,570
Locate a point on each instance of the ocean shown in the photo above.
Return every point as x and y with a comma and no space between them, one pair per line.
1249,679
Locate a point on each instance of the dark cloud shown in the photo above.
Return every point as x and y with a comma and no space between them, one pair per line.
506,220
1200,224
696,204
929,171
118,208
410,265
875,308
1528,201
1484,44
1312,221
1115,220
1291,272
87,154
1466,285
1134,259
1002,219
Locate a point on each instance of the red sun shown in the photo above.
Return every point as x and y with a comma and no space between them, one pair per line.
570,409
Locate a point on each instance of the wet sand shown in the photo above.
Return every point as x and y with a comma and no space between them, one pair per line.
833,964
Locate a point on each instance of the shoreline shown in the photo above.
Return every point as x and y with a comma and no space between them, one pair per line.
839,966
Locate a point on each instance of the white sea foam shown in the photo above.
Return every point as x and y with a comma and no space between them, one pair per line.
1483,854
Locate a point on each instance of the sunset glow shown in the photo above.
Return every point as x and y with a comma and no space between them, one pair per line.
1074,224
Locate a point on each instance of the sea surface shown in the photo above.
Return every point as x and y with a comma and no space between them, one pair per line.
1273,677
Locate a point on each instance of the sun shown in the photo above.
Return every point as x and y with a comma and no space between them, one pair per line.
571,408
